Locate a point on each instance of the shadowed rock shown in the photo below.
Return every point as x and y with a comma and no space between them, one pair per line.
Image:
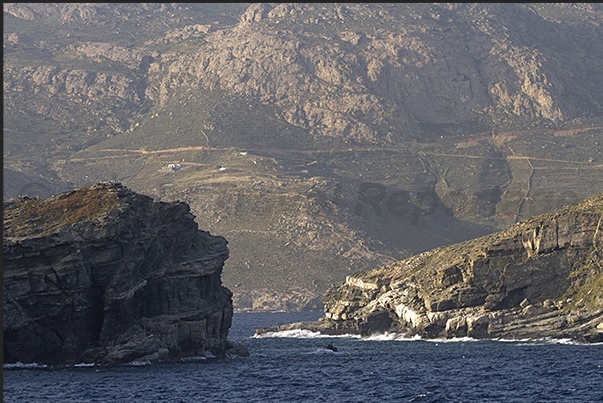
105,275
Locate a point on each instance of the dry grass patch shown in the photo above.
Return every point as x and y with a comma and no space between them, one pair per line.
31,217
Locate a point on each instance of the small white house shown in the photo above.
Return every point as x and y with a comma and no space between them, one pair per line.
243,153
223,168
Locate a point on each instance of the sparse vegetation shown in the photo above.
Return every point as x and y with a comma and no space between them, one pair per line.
35,217
367,93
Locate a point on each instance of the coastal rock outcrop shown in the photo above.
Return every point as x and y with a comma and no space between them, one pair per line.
105,275
539,278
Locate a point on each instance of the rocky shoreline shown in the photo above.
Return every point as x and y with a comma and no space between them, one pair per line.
540,278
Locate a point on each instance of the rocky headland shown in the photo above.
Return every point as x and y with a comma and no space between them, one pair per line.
540,278
105,275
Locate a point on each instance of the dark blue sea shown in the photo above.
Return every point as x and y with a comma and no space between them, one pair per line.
295,367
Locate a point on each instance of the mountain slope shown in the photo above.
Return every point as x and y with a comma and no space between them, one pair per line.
320,138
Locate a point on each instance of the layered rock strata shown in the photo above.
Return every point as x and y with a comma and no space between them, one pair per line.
541,278
105,275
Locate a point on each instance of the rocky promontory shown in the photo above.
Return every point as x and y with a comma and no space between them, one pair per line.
105,275
540,278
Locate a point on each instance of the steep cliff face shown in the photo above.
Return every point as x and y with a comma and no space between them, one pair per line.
540,278
106,275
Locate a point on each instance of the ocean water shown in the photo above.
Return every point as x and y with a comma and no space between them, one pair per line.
295,367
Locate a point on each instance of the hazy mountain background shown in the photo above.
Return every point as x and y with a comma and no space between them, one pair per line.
319,139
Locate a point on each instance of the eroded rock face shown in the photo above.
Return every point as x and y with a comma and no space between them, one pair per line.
368,86
105,275
539,278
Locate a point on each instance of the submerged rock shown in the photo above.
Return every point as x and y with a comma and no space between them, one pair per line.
105,275
541,278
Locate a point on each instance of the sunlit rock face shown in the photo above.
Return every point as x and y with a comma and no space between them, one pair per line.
539,278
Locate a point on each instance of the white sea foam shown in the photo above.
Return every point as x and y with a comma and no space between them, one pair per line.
422,395
503,340
547,340
551,341
139,363
84,364
26,365
403,337
571,342
323,350
301,334
387,336
194,358
307,334
540,341
454,340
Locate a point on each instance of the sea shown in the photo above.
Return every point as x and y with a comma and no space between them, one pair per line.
296,366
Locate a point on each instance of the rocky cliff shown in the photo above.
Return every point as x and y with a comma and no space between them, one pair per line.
105,275
542,277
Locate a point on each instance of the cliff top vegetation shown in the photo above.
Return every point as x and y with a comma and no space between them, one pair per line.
25,216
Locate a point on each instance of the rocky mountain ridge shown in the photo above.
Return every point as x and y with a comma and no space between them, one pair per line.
383,84
105,275
476,115
540,278
349,74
